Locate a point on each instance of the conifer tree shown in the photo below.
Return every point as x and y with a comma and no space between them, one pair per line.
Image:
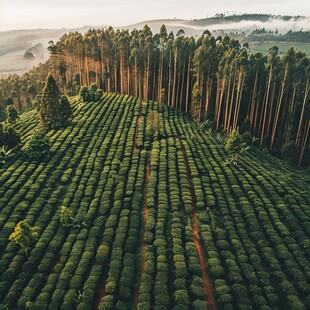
12,115
55,108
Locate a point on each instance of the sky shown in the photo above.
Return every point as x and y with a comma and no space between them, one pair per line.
32,14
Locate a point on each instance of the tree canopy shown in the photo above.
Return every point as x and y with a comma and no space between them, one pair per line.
55,108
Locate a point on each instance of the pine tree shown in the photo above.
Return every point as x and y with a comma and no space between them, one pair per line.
195,108
12,115
55,108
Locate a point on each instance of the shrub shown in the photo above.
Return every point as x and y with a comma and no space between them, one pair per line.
200,305
10,138
181,297
110,287
234,146
38,146
12,115
289,153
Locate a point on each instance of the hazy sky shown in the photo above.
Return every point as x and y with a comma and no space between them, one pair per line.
22,14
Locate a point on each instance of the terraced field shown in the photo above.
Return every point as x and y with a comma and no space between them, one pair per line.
169,226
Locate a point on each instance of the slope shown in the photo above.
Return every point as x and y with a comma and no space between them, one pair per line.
168,225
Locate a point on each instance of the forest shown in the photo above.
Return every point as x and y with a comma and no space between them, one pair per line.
269,35
137,172
213,79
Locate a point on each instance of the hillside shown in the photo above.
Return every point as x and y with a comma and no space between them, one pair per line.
168,225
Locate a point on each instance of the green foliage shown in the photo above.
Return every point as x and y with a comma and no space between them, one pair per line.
248,217
68,220
92,94
98,94
65,216
153,125
24,235
102,253
55,108
195,107
3,115
80,296
289,153
12,115
5,154
162,96
235,146
38,146
84,94
93,87
246,126
9,141
66,108
9,138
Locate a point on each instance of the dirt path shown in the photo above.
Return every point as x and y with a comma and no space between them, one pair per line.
101,293
209,291
137,129
53,270
147,179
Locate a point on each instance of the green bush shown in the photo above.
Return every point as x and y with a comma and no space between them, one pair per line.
102,254
289,153
38,146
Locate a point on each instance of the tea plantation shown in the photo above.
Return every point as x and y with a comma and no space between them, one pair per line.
166,224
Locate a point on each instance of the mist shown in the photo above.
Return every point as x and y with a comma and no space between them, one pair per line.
281,25
32,14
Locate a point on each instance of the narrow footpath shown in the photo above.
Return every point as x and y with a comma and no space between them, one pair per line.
209,291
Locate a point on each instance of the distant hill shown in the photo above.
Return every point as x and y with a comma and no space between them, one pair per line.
222,23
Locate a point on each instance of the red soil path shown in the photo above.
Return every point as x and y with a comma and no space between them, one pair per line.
101,293
137,129
147,178
53,270
209,291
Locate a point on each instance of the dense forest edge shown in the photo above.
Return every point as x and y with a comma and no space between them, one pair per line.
216,80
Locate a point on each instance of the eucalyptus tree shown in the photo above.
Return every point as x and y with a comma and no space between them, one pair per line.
273,61
123,44
177,48
288,62
148,51
256,84
163,35
189,47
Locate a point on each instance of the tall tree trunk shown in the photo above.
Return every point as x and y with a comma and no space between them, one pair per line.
265,106
302,113
188,84
227,103
174,79
275,124
304,143
222,89
231,103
